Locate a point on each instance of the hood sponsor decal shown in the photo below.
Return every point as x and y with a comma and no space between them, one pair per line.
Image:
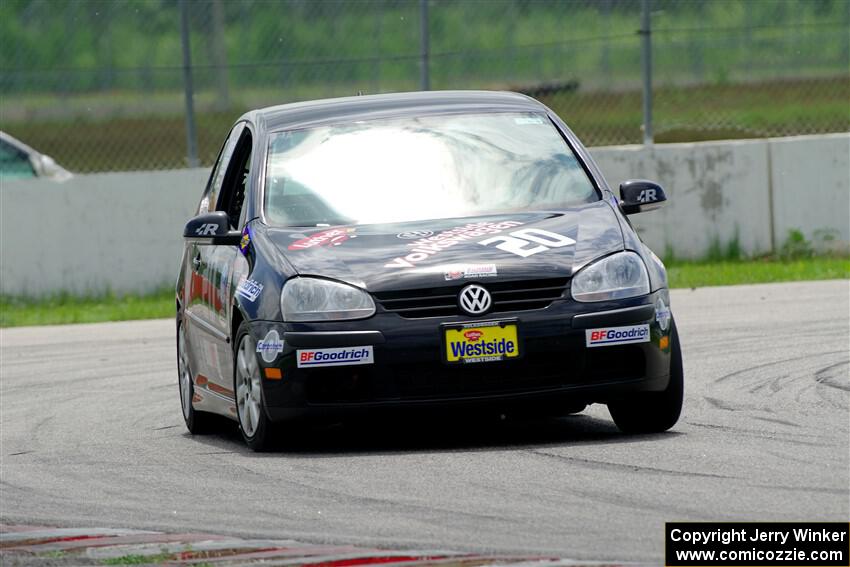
331,237
617,336
414,234
249,289
470,271
270,346
424,248
529,241
309,358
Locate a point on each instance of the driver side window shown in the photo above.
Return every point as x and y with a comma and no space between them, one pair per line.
216,180
236,180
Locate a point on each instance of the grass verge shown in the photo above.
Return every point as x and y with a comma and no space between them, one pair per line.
734,272
63,309
15,312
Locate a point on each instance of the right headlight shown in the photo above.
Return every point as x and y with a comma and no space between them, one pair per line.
314,299
616,276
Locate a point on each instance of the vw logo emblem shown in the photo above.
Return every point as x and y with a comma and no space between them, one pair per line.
414,234
474,299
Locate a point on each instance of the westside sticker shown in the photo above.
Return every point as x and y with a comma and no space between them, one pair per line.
270,346
617,336
470,271
250,290
332,237
309,358
424,248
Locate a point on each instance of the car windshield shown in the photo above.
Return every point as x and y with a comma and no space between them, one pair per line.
419,168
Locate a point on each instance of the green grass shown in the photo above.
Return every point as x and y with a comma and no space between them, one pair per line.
15,312
138,559
731,272
63,309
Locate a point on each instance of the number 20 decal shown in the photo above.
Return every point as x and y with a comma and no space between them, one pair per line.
518,241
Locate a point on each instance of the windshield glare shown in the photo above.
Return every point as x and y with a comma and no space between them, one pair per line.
419,168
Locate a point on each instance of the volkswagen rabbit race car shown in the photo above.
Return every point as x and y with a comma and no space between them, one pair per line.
419,250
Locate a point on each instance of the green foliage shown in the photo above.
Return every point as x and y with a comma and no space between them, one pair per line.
728,252
796,246
138,559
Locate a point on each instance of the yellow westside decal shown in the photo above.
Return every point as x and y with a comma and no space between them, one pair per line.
487,342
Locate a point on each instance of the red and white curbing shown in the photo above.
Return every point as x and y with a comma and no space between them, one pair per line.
102,544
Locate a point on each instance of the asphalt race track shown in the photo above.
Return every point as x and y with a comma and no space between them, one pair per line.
92,435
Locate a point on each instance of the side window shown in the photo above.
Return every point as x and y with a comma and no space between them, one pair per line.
211,194
14,164
236,178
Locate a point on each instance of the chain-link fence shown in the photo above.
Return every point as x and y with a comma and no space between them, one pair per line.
99,84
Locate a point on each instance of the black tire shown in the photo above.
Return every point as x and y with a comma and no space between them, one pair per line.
654,412
257,436
197,422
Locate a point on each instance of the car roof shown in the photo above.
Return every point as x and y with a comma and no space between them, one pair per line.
315,112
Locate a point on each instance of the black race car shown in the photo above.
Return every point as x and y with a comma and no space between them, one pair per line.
419,250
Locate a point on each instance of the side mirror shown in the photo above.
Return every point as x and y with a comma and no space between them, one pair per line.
211,228
638,195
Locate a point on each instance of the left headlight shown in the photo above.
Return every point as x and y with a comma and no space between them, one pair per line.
313,299
616,276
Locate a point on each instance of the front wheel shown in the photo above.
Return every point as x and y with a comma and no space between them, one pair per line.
254,424
653,412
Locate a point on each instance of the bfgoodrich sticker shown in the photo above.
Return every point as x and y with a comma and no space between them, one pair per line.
617,336
309,358
250,290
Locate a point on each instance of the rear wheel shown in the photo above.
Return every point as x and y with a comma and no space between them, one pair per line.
254,424
196,421
653,412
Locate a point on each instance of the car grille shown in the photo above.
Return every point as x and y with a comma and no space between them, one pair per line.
442,301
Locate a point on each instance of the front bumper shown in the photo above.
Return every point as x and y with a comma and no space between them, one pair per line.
556,366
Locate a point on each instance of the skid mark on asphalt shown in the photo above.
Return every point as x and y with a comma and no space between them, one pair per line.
813,489
775,420
786,437
750,369
828,376
625,467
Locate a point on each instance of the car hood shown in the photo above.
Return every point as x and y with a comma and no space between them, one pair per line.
423,254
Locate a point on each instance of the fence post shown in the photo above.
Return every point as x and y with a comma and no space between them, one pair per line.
191,136
424,78
646,64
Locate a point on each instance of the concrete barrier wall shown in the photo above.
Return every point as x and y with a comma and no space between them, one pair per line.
121,231
715,191
94,233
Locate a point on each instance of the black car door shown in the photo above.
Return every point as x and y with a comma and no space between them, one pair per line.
224,264
202,293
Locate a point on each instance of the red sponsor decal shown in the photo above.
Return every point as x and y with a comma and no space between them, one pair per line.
473,335
307,355
331,237
597,335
